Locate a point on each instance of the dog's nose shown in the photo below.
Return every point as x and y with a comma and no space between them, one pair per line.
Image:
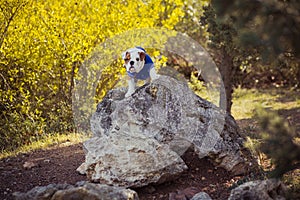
131,62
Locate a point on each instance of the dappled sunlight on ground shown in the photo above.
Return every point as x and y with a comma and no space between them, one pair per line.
246,101
287,105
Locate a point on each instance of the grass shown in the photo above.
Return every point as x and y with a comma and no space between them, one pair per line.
63,139
246,101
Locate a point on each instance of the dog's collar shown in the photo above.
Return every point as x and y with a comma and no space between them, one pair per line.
132,74
143,74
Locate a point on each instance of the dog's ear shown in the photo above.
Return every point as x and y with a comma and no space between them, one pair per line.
142,55
125,55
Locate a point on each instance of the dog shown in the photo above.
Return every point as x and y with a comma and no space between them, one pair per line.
139,66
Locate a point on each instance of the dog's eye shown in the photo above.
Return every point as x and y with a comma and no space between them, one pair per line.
126,60
137,59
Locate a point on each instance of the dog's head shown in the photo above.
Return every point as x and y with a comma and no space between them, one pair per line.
134,60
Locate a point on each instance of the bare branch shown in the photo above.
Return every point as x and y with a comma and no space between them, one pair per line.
10,14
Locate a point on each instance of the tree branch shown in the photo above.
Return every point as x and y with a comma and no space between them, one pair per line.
9,20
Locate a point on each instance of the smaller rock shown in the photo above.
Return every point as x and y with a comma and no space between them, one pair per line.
82,190
29,165
201,196
96,192
45,192
260,190
81,169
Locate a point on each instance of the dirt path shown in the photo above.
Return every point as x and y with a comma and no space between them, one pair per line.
53,165
58,164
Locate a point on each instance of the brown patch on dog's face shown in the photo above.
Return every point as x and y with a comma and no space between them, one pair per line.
127,57
142,56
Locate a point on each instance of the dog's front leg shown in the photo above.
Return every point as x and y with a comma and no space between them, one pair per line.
131,87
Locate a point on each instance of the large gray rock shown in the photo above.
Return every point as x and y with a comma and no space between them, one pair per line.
130,160
270,189
81,191
169,112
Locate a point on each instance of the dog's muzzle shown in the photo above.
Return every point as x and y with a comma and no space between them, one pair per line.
131,69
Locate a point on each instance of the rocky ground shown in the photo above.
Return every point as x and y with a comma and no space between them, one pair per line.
58,164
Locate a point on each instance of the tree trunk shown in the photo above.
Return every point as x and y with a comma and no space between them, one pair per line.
226,70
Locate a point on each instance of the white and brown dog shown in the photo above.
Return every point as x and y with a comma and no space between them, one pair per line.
139,66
